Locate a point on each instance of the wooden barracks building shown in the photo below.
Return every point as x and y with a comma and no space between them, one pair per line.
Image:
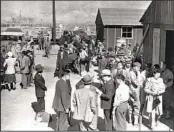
158,44
114,23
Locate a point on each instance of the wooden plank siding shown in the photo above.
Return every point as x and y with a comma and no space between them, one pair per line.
148,45
159,12
156,46
105,38
111,37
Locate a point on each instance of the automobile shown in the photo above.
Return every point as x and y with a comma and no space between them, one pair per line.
11,35
35,36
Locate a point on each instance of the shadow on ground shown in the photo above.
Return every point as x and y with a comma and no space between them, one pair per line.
75,124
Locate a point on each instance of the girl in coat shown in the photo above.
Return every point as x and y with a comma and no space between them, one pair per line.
10,77
154,88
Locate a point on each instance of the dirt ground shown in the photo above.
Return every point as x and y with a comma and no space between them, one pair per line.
16,111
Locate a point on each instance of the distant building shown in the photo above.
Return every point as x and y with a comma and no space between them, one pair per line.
159,41
76,28
113,23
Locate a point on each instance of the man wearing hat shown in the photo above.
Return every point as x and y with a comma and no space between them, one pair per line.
102,63
61,101
112,62
135,83
107,97
118,70
85,104
126,71
25,63
30,75
62,59
40,87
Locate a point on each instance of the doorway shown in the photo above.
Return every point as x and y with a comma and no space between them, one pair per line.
169,57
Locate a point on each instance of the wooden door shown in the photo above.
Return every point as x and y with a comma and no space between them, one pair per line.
169,54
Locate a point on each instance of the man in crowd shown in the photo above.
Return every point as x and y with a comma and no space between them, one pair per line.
62,60
85,104
102,63
24,69
61,101
107,98
135,92
167,77
30,74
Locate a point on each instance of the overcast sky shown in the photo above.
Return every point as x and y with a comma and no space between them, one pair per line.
66,11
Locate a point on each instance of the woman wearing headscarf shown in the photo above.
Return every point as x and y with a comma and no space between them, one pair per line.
10,77
154,89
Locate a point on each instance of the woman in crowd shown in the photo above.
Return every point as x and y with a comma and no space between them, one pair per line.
154,88
10,77
120,106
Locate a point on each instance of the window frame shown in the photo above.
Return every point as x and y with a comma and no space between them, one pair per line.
122,32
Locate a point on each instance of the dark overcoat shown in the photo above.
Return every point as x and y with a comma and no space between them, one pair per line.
108,94
40,87
62,97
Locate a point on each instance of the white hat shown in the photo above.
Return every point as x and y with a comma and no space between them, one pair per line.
10,54
106,72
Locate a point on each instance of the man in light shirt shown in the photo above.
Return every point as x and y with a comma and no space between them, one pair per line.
135,81
120,106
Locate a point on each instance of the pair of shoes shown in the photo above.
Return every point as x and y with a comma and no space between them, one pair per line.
14,88
7,87
21,85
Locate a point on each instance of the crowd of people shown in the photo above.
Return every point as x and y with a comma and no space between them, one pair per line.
126,88
17,58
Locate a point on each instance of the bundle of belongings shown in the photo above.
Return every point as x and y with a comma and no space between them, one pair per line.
42,116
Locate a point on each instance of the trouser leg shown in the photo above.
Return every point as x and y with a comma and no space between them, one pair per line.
93,125
108,120
130,111
120,117
63,121
28,79
83,126
41,101
136,112
24,80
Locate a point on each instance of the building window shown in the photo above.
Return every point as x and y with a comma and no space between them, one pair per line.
127,32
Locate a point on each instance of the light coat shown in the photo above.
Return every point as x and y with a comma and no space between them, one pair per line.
85,104
10,62
25,64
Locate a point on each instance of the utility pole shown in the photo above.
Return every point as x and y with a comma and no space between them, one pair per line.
54,23
20,19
